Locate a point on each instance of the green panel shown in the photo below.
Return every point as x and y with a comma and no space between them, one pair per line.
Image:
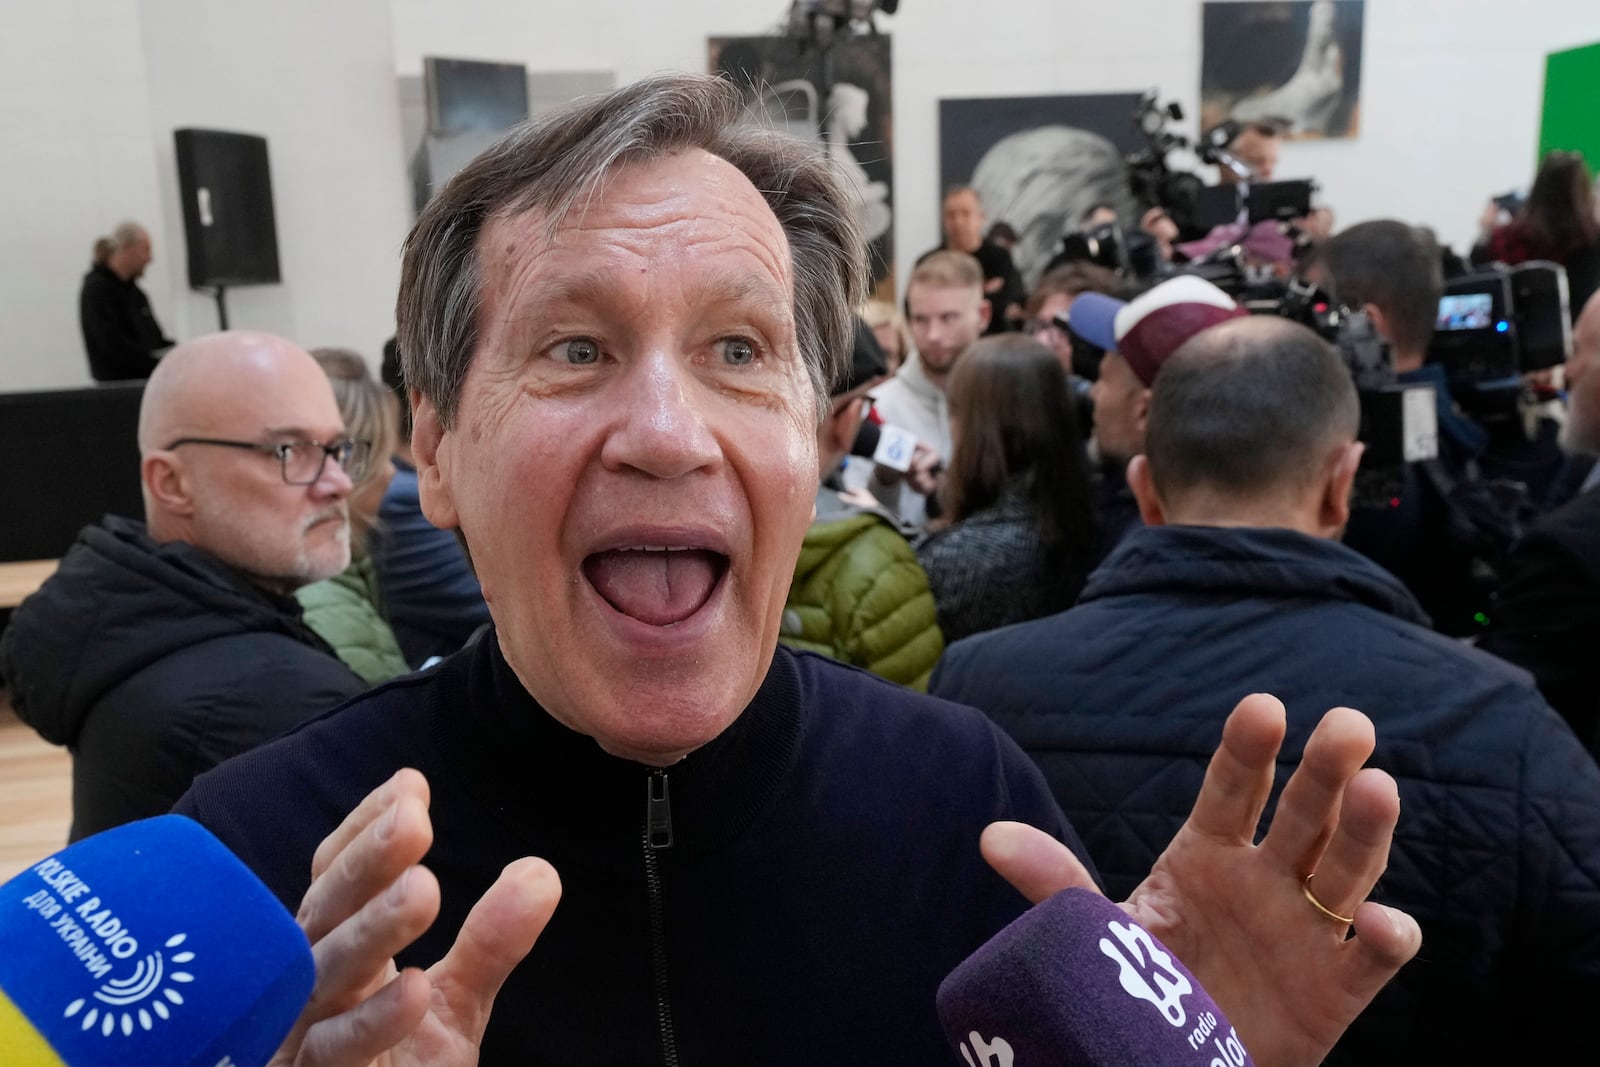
1572,103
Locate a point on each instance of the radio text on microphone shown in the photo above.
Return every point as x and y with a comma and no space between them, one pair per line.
92,932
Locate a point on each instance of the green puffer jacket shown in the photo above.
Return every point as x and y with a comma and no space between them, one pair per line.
344,611
860,596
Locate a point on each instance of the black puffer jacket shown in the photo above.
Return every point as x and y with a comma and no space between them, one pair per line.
153,663
1121,701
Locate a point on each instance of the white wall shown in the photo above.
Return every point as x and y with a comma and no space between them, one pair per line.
317,80
90,91
75,141
1451,89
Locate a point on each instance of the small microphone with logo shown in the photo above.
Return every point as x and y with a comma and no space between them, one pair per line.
1075,982
149,945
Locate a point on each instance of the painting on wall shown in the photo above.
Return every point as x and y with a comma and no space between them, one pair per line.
1296,64
782,79
1040,162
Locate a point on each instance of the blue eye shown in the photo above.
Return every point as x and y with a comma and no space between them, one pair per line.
581,351
738,352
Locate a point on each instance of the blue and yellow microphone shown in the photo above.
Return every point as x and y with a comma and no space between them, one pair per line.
147,945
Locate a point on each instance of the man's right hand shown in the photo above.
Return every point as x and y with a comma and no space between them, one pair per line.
368,900
926,467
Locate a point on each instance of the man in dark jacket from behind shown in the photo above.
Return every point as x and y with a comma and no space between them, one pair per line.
158,650
1238,584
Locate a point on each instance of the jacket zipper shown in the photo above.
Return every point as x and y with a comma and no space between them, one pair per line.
657,836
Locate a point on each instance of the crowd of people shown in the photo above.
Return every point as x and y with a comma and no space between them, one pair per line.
607,522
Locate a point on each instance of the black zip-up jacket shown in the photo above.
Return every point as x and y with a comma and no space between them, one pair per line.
153,663
1497,853
822,875
119,329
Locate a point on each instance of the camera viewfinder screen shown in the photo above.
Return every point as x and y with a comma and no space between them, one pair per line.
1466,311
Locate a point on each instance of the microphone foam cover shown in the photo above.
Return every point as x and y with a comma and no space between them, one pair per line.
1075,981
149,944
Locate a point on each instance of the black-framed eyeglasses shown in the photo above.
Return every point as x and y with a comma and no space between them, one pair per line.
300,462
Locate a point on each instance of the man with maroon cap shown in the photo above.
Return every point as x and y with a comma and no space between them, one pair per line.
1137,335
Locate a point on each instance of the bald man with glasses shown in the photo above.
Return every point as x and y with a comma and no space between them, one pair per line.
160,649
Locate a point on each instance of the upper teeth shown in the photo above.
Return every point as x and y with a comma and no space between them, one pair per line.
657,548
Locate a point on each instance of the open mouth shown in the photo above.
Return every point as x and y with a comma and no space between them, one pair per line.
657,585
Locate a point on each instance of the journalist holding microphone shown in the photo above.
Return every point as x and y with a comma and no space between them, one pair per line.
620,327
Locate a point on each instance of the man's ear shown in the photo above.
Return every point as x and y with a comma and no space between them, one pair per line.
1380,321
1144,491
1333,511
431,447
1141,412
985,313
167,486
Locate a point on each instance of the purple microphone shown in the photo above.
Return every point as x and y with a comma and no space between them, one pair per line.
1076,982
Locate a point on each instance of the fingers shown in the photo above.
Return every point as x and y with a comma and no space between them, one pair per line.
371,860
1358,851
1239,778
359,1036
1035,863
357,955
1308,810
498,933
404,782
1386,938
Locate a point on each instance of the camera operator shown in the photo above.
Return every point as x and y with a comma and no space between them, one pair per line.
1256,146
1547,617
1442,536
1050,305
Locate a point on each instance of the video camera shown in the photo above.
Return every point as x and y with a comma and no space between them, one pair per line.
1399,423
1495,326
1195,206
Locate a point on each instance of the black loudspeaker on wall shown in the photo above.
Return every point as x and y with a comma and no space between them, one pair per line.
228,222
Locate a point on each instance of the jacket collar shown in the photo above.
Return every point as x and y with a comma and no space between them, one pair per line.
1235,562
524,763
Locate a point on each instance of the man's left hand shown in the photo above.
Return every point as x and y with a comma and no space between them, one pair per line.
1235,912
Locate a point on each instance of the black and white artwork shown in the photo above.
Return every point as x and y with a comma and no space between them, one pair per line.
1297,64
851,113
1040,162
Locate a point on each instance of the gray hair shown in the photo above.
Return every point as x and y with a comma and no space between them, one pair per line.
128,233
553,163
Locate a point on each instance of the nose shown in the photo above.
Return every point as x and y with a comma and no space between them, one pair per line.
663,428
333,483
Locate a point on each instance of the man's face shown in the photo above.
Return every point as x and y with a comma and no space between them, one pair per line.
1259,151
1119,399
1582,431
634,456
135,257
945,321
963,221
283,536
1051,335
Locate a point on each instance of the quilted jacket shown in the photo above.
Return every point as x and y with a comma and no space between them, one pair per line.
1121,701
345,612
860,596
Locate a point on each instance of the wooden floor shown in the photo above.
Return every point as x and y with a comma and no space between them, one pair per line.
35,795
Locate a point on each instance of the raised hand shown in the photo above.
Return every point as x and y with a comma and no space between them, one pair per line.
368,900
1285,972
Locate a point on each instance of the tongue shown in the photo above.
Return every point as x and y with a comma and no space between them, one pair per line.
659,588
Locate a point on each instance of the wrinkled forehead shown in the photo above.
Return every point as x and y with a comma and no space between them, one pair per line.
682,208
